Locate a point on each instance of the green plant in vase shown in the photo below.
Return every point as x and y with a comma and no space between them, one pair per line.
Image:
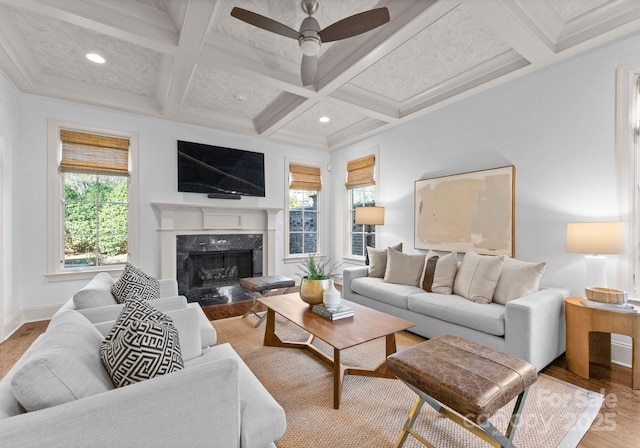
316,277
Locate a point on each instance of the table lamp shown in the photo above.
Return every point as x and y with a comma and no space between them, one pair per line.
369,216
596,238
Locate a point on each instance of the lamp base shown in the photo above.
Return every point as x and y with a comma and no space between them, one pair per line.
596,270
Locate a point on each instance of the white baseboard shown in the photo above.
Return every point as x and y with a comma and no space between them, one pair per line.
621,353
28,315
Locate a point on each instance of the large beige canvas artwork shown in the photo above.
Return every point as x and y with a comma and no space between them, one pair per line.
469,211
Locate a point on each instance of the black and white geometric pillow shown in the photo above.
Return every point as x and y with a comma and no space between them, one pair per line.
134,281
144,350
136,308
142,344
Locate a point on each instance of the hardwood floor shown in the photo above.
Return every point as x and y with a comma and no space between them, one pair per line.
616,426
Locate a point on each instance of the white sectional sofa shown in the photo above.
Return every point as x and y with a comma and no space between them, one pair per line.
215,401
531,327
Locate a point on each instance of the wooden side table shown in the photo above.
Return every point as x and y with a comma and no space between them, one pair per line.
589,337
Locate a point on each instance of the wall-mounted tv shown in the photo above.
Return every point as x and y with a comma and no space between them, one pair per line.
219,171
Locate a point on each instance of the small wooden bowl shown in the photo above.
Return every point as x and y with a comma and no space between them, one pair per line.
606,295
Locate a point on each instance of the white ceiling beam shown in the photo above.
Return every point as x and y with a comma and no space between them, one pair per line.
118,24
196,25
511,28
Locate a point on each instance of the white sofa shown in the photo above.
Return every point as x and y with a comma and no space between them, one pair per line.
215,401
530,327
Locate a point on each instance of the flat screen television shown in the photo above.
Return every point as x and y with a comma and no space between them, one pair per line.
219,171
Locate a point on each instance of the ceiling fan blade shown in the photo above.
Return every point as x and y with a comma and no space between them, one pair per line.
354,25
265,23
309,69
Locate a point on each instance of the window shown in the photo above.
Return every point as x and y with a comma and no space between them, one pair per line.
361,190
93,199
305,185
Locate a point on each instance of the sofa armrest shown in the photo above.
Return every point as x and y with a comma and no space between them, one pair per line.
168,287
348,275
535,326
184,406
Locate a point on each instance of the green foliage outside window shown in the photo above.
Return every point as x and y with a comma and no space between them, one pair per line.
96,219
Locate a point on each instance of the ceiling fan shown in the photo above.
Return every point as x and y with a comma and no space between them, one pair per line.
310,36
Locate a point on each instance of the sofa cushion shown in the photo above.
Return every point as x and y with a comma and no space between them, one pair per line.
518,278
96,293
445,274
65,365
377,289
487,318
478,276
403,269
378,260
134,281
187,323
143,344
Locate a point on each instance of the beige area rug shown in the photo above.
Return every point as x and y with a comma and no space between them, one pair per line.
373,410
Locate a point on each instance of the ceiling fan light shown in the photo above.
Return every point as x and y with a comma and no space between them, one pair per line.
310,46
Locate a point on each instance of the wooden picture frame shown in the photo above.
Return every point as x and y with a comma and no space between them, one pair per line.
472,211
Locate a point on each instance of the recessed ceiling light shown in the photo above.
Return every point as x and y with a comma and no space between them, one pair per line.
94,57
325,119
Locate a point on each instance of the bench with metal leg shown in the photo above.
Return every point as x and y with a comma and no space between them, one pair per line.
452,373
262,287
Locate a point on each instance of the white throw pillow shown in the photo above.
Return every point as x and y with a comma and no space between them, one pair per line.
187,323
96,293
403,269
518,279
64,367
478,276
445,274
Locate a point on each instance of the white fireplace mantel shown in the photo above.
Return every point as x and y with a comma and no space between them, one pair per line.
190,219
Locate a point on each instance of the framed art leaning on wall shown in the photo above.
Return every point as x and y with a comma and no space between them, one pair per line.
468,211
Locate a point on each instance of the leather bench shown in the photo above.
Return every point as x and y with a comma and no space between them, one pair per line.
472,379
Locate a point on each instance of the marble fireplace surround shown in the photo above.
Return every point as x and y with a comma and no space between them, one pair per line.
202,219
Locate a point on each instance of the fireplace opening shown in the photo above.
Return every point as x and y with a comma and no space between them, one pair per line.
209,269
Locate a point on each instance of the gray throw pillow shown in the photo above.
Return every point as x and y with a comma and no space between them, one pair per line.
378,260
518,278
445,274
403,269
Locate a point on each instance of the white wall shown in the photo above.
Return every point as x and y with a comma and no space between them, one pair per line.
10,116
556,126
158,183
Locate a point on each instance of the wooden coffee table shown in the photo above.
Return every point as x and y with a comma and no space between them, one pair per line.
366,325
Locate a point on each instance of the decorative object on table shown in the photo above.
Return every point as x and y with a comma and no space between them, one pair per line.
606,295
596,238
368,217
341,312
483,219
331,297
316,277
620,307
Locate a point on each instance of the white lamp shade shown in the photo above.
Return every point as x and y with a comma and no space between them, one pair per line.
597,238
371,216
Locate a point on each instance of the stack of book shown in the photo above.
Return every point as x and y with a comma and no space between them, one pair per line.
623,307
341,312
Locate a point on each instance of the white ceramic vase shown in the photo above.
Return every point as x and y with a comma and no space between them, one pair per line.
331,297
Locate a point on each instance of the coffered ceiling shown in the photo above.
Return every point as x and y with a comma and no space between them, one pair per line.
190,61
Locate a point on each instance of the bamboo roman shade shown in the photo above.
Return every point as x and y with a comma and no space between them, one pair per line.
360,172
94,154
304,177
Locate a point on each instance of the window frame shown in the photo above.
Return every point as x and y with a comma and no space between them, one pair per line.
627,159
347,241
55,203
321,211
